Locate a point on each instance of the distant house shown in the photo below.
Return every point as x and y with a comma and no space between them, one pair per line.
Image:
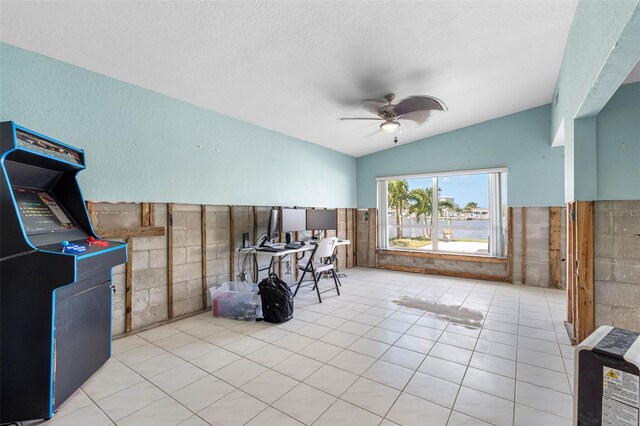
479,213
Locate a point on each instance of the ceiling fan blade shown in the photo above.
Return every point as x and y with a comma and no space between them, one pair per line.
419,103
359,118
373,105
418,116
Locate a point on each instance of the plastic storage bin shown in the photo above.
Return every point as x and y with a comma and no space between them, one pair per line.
236,300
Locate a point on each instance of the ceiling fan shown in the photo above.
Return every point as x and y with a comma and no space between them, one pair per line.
414,108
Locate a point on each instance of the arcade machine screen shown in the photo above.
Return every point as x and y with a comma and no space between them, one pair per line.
41,213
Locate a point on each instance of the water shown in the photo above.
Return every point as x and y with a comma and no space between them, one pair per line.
466,317
473,229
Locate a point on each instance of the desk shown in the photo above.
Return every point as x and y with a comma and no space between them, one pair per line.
277,256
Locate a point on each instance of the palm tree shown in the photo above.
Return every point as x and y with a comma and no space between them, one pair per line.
422,204
471,205
398,200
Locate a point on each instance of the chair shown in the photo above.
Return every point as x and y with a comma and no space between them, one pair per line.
323,250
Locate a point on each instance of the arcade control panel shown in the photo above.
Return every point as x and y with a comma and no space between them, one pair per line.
82,247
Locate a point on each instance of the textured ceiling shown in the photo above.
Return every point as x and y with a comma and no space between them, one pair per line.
295,67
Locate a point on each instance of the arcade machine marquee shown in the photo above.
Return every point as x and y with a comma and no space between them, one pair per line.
55,287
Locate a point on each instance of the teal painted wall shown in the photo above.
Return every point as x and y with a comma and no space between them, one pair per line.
618,146
143,146
519,141
603,45
594,33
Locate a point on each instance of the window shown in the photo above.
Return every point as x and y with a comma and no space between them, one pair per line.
469,217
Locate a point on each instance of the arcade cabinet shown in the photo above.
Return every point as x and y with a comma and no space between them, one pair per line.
55,288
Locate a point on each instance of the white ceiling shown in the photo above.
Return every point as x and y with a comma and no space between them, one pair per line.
295,67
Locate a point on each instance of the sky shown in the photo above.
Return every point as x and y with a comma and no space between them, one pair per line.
465,189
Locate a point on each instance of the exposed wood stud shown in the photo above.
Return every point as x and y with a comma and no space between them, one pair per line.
255,240
510,243
203,248
124,233
170,260
231,244
524,245
128,283
152,214
375,230
457,274
354,243
295,258
145,216
368,223
555,253
338,250
279,238
585,322
91,213
571,261
346,237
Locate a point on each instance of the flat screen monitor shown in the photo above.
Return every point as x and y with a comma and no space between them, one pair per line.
41,213
273,227
294,220
321,220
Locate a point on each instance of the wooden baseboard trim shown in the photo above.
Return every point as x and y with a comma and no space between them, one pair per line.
457,274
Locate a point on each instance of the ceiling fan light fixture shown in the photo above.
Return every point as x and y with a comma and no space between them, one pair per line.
389,126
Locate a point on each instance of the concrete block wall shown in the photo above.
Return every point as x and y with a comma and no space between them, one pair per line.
120,215
187,259
366,238
149,265
341,251
617,263
486,269
345,231
218,245
149,259
537,244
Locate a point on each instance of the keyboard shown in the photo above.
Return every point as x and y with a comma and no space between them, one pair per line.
294,246
270,249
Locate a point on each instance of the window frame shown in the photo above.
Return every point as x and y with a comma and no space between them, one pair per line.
497,222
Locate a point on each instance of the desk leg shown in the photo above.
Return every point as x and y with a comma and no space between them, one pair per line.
270,270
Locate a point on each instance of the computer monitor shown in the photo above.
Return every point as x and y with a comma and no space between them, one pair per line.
321,220
294,220
273,227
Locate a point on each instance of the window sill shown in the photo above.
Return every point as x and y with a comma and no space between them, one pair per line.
443,256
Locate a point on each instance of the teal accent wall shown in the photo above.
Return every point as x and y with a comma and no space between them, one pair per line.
143,146
618,146
519,141
602,47
585,162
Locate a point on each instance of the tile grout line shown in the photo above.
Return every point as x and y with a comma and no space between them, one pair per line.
468,365
324,314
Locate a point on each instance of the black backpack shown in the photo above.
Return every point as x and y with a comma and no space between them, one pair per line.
277,299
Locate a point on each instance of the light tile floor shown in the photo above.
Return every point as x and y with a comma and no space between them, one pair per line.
356,359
